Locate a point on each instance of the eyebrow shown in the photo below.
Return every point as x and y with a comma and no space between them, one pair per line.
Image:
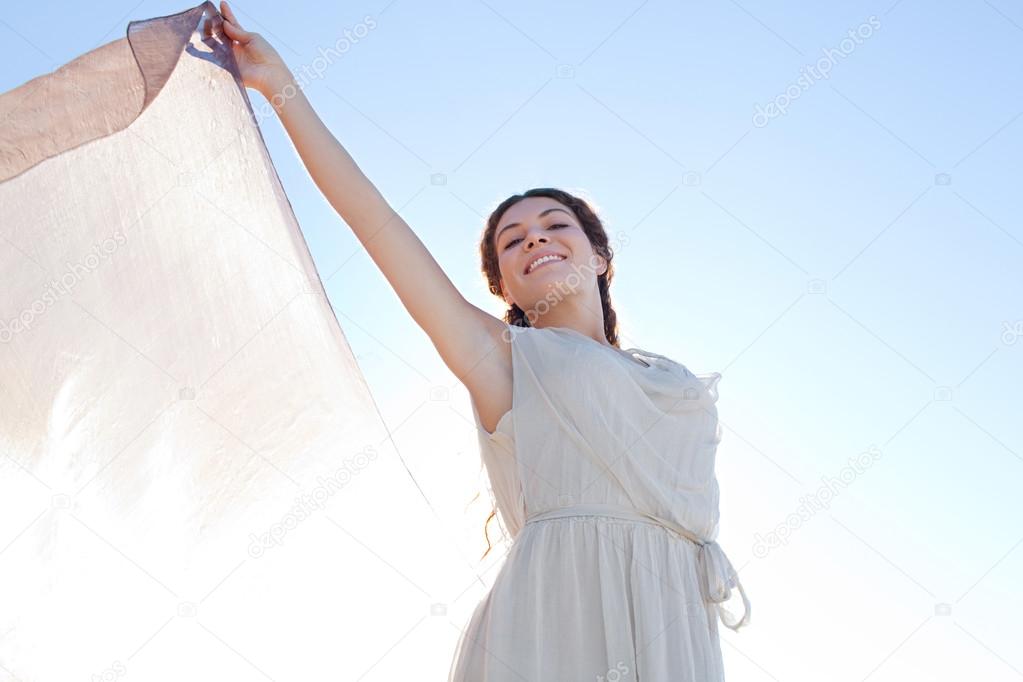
542,214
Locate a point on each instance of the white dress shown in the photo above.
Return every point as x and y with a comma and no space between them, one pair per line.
603,475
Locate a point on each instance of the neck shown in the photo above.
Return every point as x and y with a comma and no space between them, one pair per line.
586,321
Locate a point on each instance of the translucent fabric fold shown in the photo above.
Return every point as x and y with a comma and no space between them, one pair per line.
195,480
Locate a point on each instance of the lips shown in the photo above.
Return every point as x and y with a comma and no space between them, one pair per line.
538,257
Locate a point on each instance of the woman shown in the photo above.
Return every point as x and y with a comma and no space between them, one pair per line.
601,460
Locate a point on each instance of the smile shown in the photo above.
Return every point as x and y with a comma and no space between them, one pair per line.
543,260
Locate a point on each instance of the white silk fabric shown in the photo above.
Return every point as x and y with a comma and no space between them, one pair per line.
195,482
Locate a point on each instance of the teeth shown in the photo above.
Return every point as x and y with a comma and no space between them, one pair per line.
543,260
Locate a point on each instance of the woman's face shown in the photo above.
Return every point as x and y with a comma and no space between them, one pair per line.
537,227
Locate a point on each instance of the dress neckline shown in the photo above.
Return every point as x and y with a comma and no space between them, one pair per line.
622,353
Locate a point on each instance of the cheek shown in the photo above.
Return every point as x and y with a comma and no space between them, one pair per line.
576,236
507,257
580,245
506,266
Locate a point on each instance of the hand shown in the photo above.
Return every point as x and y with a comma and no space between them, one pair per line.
260,66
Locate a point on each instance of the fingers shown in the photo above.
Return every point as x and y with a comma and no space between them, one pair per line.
231,26
232,31
226,10
235,33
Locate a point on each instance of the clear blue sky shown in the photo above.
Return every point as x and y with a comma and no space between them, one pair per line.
852,266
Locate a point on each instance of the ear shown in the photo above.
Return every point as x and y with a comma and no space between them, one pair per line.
603,263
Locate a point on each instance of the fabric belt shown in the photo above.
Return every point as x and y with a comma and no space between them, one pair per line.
717,575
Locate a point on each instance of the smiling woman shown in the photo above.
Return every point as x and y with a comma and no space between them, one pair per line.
602,470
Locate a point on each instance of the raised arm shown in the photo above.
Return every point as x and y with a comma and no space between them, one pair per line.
467,338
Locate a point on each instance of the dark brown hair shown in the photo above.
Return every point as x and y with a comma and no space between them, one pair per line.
594,229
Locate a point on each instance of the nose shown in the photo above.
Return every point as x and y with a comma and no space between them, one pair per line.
534,240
